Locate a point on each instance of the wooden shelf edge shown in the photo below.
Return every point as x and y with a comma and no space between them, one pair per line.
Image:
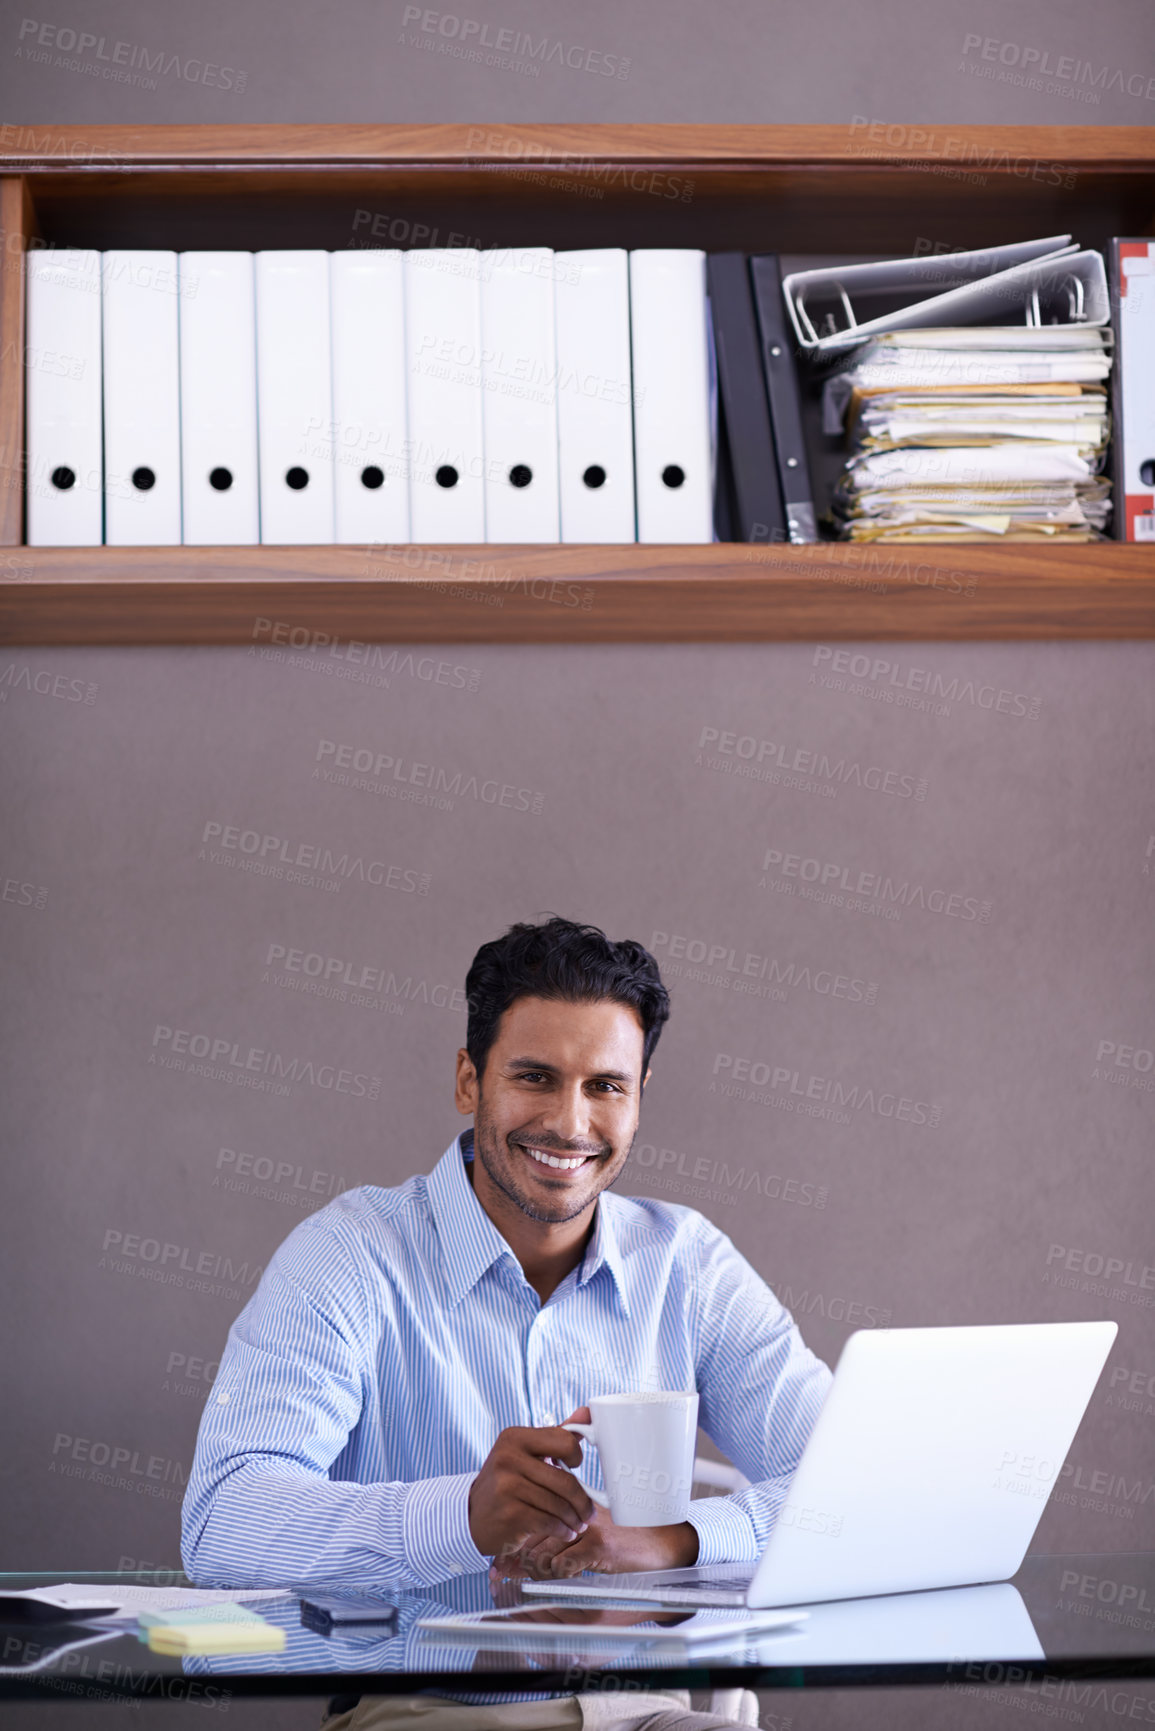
24,147
301,598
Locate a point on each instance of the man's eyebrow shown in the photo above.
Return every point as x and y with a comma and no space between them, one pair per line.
543,1064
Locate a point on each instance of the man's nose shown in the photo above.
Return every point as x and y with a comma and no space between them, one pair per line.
568,1115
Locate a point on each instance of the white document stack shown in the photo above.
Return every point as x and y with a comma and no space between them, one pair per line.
974,434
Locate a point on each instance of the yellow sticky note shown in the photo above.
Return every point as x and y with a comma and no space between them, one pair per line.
216,1638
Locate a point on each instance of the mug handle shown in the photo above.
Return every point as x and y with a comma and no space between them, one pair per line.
586,1431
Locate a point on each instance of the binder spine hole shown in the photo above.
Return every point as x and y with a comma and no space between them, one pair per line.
220,480
372,477
1147,472
594,476
446,475
143,479
673,475
296,478
520,475
64,478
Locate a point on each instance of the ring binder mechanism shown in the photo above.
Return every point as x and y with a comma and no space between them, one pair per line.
1045,282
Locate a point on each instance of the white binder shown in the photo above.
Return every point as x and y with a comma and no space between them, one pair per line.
294,397
1134,393
673,445
218,399
141,399
65,476
1035,282
443,345
371,476
594,417
519,394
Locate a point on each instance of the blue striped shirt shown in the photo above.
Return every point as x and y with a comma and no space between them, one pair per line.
394,1334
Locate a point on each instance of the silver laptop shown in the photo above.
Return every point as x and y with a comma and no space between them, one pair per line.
930,1465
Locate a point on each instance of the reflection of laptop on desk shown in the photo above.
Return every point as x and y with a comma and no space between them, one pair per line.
930,1465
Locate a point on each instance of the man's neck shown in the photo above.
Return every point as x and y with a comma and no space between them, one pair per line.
546,1252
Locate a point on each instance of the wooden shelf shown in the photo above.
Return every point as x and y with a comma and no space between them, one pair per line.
297,597
877,188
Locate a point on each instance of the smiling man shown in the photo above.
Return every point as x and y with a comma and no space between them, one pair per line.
390,1403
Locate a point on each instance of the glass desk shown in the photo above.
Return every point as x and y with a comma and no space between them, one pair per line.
1064,1624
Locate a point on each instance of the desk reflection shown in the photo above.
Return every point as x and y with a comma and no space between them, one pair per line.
956,1624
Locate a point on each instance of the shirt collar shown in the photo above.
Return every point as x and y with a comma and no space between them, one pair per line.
603,1248
471,1243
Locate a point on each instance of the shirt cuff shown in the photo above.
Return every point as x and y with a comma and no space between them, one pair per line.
725,1531
438,1542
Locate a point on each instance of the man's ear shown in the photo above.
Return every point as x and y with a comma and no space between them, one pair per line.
647,1076
466,1089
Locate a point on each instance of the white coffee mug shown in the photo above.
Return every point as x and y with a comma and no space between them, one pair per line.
646,1443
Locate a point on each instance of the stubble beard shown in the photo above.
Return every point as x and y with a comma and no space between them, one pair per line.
486,1143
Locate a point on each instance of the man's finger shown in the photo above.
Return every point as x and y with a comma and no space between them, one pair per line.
548,1441
586,1553
566,1496
540,1556
565,1445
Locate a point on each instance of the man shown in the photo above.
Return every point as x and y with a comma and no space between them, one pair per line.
389,1405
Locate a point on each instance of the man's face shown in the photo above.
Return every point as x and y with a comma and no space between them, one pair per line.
562,1083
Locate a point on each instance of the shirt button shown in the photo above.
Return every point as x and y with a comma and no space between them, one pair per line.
456,1569
548,1418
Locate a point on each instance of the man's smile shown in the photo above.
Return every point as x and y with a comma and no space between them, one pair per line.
556,1162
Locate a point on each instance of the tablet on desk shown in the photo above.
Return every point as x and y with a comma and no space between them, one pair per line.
616,1625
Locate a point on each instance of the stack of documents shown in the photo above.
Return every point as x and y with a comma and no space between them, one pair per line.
967,434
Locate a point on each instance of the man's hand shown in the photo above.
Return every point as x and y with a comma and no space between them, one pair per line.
600,1545
519,1500
603,1547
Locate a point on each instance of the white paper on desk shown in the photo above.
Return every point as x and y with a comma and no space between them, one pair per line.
91,1600
41,1653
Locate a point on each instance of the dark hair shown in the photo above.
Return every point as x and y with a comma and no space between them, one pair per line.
563,960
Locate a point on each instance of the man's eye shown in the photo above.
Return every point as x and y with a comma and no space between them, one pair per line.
532,1075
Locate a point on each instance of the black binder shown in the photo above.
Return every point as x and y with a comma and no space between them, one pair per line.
779,365
748,504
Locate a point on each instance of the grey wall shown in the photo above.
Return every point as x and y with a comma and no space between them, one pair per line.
142,1199
677,61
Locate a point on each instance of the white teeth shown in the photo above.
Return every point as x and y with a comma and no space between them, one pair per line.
556,1160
